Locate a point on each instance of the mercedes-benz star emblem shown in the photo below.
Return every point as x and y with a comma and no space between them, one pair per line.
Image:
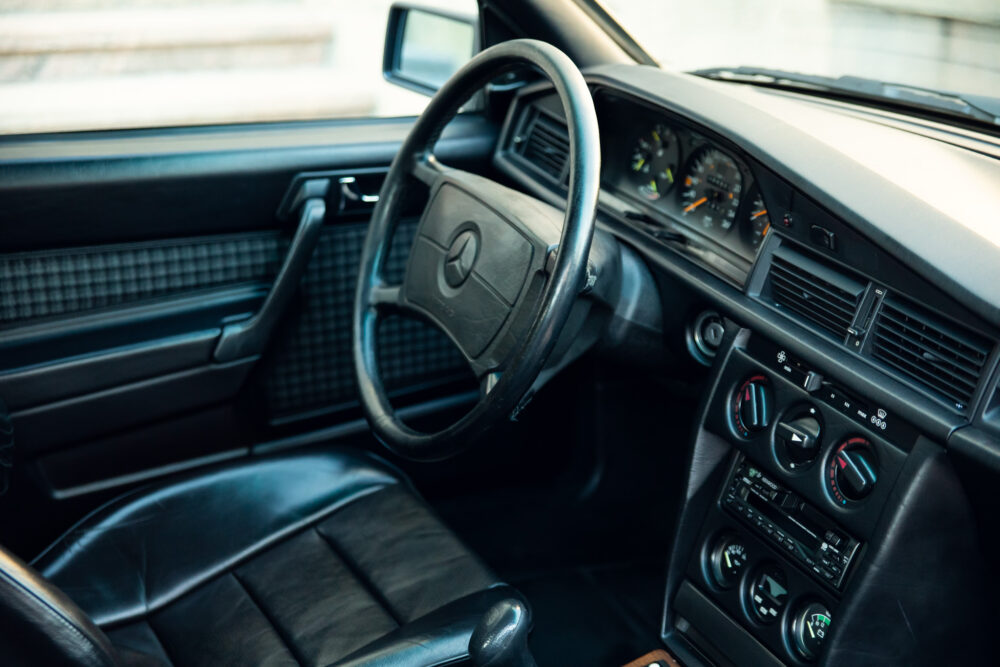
461,257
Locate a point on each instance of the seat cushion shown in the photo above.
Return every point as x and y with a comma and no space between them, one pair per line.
310,559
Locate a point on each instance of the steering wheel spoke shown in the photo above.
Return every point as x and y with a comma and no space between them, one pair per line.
427,170
387,297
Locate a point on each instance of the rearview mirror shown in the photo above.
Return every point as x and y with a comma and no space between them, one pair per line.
424,47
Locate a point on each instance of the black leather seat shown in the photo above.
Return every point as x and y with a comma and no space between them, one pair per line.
325,559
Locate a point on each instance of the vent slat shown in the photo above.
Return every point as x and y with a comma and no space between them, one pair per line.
974,353
810,289
820,295
912,336
966,383
831,324
815,318
842,300
902,361
545,144
941,355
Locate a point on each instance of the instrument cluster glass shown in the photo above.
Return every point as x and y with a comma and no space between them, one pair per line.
665,166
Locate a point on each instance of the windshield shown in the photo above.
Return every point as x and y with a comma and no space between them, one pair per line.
945,45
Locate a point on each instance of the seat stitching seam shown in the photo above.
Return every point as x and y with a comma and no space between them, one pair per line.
358,574
286,641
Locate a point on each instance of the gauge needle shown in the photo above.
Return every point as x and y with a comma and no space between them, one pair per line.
766,229
670,175
759,213
729,563
638,165
811,631
692,206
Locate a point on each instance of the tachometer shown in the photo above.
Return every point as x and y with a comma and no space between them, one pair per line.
711,192
653,163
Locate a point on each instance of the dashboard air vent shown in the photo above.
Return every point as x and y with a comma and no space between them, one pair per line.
814,291
544,142
941,355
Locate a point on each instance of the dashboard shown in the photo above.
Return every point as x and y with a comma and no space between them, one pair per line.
860,357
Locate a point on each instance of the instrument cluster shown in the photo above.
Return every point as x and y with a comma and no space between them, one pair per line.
674,172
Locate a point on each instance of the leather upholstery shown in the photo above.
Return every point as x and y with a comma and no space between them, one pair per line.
313,559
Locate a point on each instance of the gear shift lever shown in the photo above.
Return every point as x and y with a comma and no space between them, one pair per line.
501,638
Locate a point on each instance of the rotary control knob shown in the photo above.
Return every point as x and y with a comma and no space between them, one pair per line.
797,438
752,406
852,471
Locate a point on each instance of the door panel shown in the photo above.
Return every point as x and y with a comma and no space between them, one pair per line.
122,258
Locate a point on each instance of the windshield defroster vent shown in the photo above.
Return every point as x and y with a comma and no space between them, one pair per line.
813,291
543,142
941,355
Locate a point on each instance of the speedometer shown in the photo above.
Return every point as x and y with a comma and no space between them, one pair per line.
711,191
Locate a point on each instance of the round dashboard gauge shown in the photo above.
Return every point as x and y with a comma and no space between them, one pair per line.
653,163
759,224
726,560
710,196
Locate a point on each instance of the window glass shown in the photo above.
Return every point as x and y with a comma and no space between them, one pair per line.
110,64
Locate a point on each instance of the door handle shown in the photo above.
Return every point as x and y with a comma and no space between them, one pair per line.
249,337
353,199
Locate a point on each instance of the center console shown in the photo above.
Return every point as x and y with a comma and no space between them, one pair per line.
796,472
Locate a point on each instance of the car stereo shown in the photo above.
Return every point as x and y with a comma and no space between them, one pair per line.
789,523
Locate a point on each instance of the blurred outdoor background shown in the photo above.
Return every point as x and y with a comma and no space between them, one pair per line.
98,64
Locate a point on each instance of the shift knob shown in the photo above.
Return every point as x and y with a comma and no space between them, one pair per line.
501,638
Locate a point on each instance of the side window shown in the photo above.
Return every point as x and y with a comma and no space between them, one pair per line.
115,64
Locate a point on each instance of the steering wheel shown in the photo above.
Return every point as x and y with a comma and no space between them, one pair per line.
497,270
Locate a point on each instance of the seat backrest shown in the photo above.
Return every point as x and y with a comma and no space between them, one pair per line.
40,625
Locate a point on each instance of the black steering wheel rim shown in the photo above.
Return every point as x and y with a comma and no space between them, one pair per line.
565,277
